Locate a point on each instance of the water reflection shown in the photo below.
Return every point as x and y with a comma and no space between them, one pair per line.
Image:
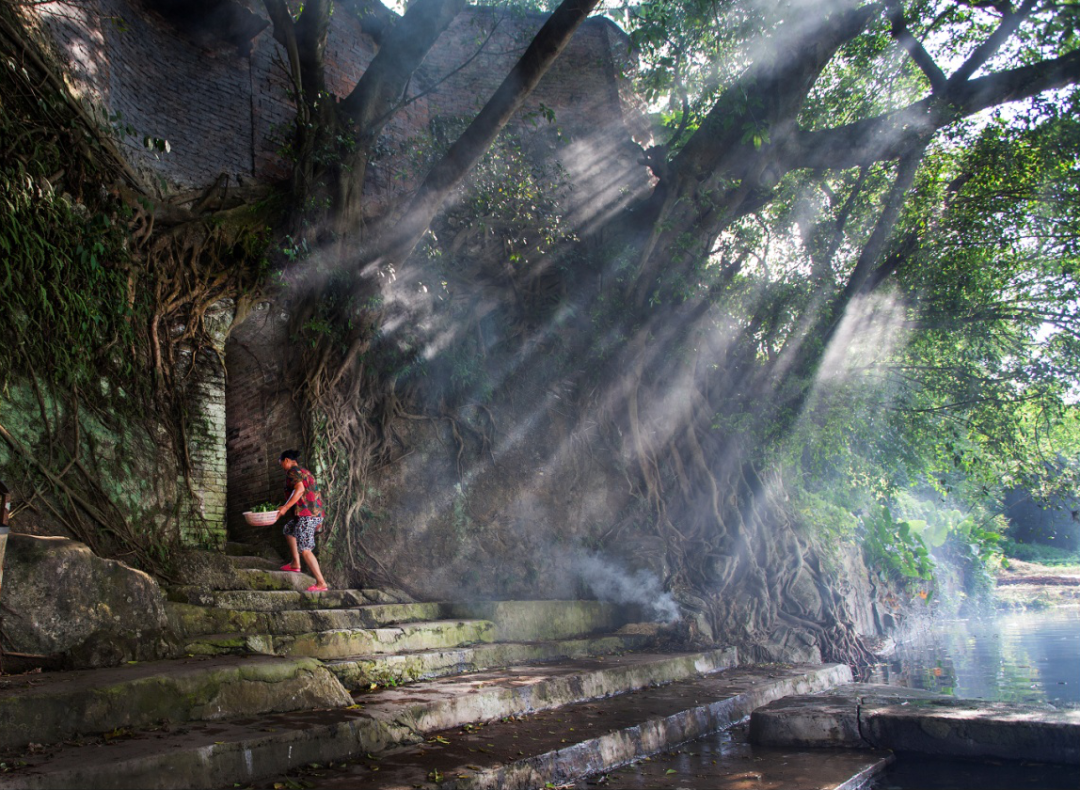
1019,657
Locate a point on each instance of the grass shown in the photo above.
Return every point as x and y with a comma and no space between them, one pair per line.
1039,553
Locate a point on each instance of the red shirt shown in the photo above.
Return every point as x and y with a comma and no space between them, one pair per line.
310,503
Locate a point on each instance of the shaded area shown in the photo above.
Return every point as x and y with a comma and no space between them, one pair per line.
911,771
726,761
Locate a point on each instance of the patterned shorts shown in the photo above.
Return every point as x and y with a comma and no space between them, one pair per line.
303,528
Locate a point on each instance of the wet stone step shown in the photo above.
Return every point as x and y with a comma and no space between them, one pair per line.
404,637
563,745
219,754
240,549
523,621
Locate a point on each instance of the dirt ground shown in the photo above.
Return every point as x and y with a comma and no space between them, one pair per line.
1030,585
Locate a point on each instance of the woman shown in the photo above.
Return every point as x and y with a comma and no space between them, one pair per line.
300,531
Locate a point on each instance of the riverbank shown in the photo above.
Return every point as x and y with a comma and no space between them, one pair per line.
1029,585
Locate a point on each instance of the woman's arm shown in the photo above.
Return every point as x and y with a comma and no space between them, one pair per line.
298,491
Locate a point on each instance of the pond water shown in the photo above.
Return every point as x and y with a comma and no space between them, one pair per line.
1031,656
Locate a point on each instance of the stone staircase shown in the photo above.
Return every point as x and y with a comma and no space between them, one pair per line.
274,678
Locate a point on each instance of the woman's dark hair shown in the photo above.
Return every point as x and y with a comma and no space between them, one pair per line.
292,455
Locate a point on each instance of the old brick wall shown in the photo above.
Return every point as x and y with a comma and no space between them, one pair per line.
147,80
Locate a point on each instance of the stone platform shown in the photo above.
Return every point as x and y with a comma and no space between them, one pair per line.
859,715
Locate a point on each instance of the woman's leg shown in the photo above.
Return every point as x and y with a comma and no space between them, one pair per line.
292,548
313,566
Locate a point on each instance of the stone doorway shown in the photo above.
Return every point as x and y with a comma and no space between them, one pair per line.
261,420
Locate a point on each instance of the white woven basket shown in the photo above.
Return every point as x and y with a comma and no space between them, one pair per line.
260,519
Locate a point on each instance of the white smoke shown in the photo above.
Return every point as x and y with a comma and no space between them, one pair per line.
608,582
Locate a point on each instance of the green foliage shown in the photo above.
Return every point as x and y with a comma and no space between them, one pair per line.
896,548
66,282
1039,553
265,507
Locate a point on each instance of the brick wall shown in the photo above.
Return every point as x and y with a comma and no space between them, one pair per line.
132,63
226,113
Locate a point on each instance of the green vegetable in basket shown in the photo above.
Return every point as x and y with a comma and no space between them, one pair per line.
265,507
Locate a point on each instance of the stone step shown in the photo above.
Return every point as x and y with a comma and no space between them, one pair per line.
54,706
275,580
516,621
361,672
557,747
270,600
189,620
249,562
243,751
528,621
235,549
425,635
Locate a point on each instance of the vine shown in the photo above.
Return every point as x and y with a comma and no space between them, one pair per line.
102,290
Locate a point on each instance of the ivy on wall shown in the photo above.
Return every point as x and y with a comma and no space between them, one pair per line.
103,295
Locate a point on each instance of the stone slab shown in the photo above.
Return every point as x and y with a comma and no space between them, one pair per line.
975,728
223,753
49,707
888,717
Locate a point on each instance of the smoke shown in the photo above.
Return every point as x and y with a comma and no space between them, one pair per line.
608,582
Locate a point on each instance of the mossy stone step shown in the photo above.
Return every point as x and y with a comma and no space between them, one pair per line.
51,707
361,672
349,642
190,620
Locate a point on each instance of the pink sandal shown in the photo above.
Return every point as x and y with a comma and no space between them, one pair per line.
317,588
290,568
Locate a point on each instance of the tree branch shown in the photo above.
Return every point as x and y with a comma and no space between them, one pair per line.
402,51
888,136
914,48
400,236
1009,23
